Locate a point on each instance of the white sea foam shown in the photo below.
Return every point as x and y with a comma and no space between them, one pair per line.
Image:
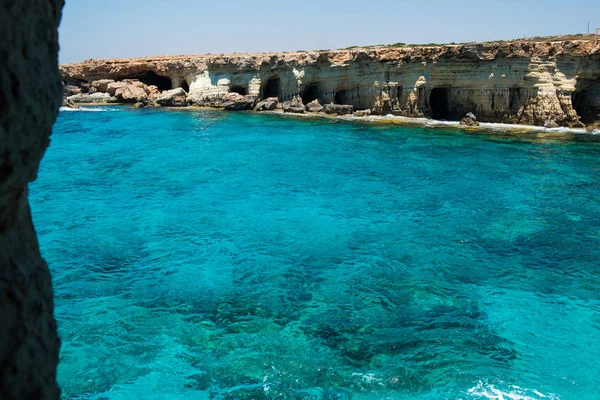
483,125
89,109
511,392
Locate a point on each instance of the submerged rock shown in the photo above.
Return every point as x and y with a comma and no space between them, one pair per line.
294,106
339,109
267,104
173,98
314,106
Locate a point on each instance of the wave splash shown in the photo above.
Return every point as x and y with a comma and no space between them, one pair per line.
490,391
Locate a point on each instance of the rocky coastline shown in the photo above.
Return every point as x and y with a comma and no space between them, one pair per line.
541,83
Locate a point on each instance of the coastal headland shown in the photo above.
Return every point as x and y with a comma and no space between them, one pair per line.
547,82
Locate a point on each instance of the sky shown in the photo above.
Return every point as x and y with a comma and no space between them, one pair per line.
133,28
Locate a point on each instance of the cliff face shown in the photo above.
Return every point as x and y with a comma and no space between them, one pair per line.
517,82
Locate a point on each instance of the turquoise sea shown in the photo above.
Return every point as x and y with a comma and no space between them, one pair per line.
207,255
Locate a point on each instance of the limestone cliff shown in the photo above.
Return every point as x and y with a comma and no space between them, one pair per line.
527,82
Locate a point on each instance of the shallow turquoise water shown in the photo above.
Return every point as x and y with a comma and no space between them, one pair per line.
238,256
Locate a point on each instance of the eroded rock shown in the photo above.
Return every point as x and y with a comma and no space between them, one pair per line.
294,106
339,109
314,106
238,102
93,98
268,104
362,113
173,98
469,120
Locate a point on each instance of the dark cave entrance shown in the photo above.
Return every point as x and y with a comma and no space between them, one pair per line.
271,88
581,104
239,89
311,93
184,85
438,102
340,97
151,78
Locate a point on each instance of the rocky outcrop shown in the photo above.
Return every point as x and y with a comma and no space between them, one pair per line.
294,106
97,97
238,102
526,82
173,98
338,109
268,104
30,94
314,106
469,120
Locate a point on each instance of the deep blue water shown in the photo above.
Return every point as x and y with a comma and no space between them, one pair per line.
239,256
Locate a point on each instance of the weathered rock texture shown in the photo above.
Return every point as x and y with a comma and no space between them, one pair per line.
517,82
30,94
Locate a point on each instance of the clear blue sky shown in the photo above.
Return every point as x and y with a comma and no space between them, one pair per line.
131,28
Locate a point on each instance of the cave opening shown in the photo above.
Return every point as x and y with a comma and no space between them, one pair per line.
239,89
271,88
581,104
151,78
438,102
310,93
340,97
184,85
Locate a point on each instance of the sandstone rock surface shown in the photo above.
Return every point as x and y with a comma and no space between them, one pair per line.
30,95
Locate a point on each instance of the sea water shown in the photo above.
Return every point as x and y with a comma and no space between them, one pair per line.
201,255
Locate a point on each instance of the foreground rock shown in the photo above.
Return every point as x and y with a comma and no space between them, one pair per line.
30,95
268,104
173,98
314,106
338,109
93,98
238,102
294,106
469,120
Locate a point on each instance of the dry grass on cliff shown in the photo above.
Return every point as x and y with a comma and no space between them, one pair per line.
577,36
